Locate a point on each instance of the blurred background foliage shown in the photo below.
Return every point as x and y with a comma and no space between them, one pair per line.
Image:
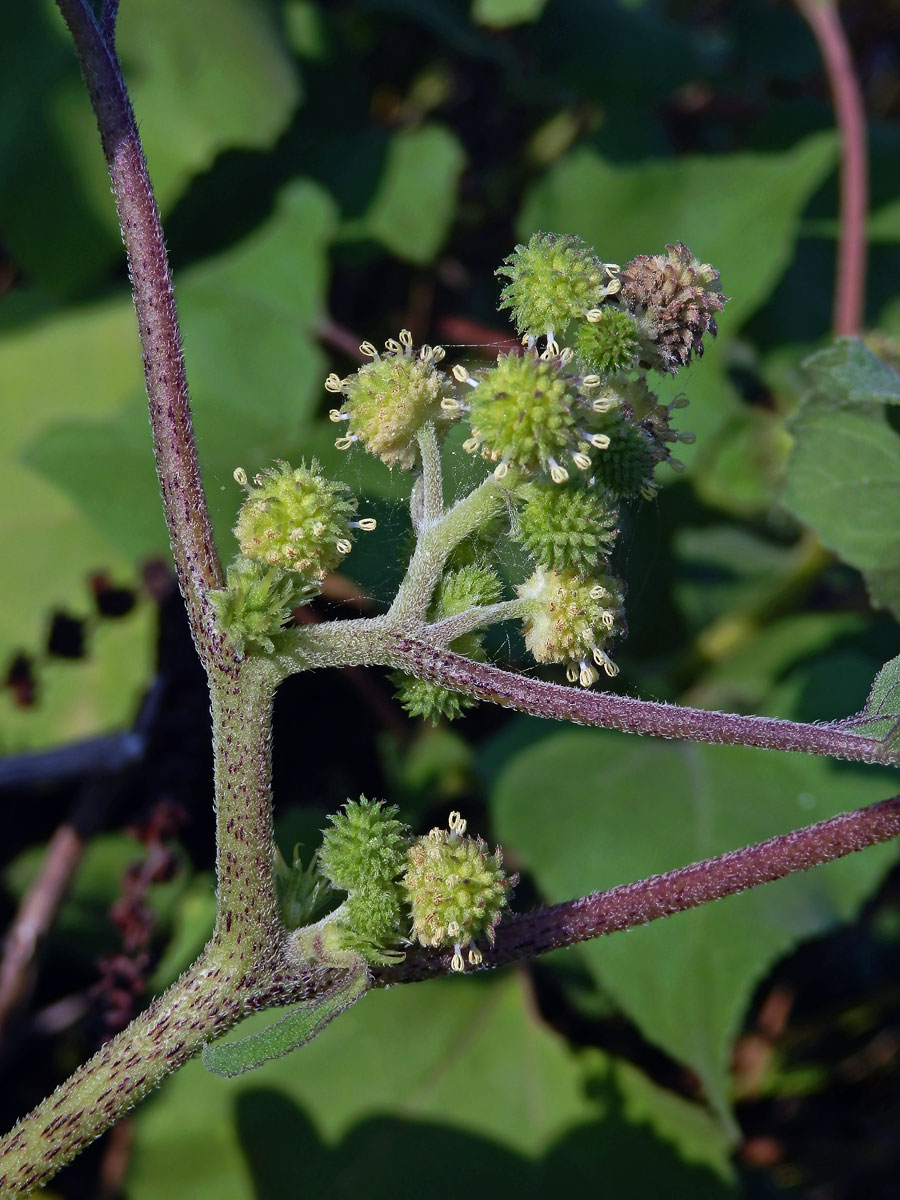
330,172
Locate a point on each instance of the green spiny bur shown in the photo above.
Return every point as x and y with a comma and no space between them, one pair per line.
551,280
256,603
569,528
457,890
608,341
625,468
366,842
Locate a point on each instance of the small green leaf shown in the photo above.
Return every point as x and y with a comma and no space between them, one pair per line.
293,1030
881,716
844,472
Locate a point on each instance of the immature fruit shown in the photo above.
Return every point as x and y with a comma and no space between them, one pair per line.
551,280
366,844
569,528
387,401
607,341
456,890
256,603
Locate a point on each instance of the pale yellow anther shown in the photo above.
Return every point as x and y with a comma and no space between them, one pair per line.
435,835
588,675
608,618
425,354
406,337
597,592
336,416
581,461
367,524
333,383
317,530
566,356
439,354
344,546
559,474
393,346
456,823
475,957
240,476
453,929
604,404
614,286
368,350
459,373
501,470
344,443
470,445
591,381
648,491
594,315
456,962
449,405
600,441
610,668
572,673
612,269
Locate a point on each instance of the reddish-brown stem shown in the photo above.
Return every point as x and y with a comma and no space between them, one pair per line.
647,900
196,561
850,285
611,711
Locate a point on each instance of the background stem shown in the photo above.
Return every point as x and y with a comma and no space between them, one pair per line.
850,285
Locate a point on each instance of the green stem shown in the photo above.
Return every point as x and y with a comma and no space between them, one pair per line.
447,630
242,696
432,476
435,545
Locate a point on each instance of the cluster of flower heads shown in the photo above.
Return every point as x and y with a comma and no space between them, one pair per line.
570,425
443,890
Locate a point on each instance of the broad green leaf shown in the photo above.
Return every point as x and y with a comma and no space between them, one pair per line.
83,697
881,716
254,370
848,374
584,811
415,202
204,77
459,1071
737,211
500,14
844,471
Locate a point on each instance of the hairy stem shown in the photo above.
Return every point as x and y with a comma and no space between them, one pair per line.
639,903
434,546
850,285
432,476
378,642
448,629
196,561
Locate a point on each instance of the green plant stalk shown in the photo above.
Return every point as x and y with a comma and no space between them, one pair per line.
432,475
435,545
